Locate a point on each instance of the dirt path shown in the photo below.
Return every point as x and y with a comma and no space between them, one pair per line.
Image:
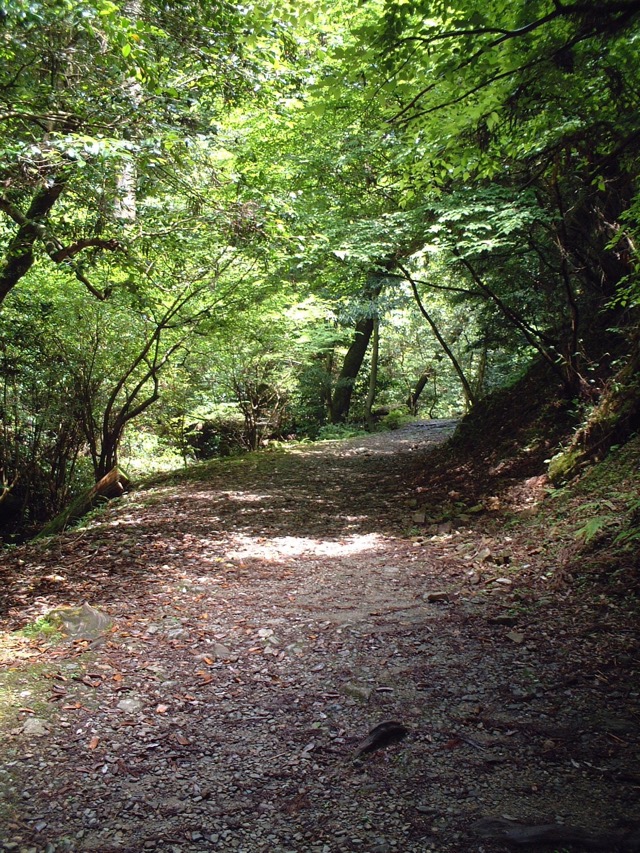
265,618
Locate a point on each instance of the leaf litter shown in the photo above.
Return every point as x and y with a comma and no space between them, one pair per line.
262,616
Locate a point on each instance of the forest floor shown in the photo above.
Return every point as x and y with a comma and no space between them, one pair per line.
266,614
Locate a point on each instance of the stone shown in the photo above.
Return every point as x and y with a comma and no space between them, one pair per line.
172,806
435,597
515,637
358,691
33,727
84,622
503,619
221,652
129,705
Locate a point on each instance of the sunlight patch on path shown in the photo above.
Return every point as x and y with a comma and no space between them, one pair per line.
243,497
284,547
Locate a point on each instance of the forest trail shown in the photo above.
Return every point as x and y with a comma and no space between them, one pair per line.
267,613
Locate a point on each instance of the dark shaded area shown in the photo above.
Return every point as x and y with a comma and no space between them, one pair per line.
505,439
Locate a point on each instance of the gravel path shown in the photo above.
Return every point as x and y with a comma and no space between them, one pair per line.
265,618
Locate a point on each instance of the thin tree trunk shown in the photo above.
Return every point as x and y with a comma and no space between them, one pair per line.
434,402
481,371
126,202
466,387
326,387
341,400
421,384
373,375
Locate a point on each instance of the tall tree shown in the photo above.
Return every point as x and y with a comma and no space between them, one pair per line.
468,80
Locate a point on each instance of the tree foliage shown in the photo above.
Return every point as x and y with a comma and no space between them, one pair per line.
212,207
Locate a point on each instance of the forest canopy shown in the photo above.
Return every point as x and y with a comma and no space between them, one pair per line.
226,224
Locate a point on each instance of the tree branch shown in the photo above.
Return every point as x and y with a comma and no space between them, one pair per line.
534,338
19,255
17,265
468,391
6,489
86,243
435,286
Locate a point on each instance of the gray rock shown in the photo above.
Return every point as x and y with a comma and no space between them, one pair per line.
129,705
221,652
33,727
84,622
357,691
172,806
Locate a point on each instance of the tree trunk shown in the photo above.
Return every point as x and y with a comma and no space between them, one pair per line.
341,401
19,255
126,201
373,376
108,455
421,384
481,371
112,485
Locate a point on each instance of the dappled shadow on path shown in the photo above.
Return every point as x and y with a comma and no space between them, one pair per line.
329,500
267,613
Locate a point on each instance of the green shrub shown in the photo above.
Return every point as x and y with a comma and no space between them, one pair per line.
395,419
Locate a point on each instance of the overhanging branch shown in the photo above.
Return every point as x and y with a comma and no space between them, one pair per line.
19,256
89,242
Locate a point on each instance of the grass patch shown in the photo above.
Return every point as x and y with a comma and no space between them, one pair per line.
45,626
